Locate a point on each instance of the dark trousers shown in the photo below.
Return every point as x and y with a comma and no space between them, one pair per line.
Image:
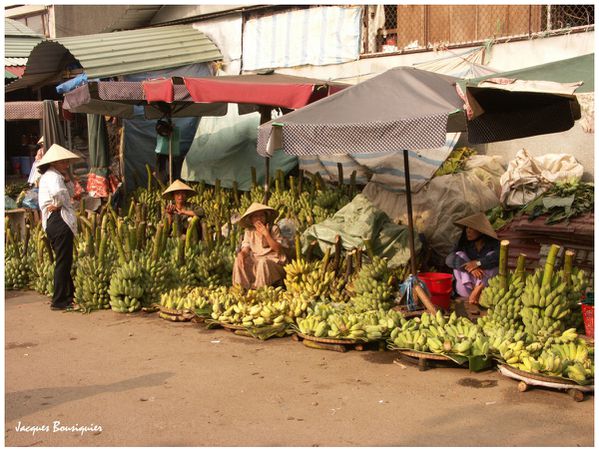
61,239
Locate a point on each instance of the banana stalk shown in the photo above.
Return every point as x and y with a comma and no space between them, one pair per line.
568,260
549,265
503,256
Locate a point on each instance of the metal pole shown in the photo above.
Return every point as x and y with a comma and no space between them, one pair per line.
265,116
409,206
170,158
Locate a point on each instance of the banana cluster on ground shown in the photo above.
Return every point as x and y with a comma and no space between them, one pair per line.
127,288
436,334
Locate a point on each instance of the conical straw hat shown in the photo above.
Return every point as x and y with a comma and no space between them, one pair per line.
177,186
478,222
41,140
56,153
271,214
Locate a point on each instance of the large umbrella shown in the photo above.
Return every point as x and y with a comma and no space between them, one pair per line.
406,108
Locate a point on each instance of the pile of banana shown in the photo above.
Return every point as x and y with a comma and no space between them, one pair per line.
505,306
127,287
18,259
186,299
328,321
254,308
436,334
373,287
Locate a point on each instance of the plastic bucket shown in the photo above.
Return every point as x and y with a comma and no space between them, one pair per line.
440,286
26,163
15,163
588,314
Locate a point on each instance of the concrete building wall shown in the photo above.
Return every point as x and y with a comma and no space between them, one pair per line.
75,20
502,57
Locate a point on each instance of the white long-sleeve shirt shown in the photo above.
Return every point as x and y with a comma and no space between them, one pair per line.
54,191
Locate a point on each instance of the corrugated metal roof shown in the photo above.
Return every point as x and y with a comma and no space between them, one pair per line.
15,61
16,28
9,75
118,53
19,46
136,16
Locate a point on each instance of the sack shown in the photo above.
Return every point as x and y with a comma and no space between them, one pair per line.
31,199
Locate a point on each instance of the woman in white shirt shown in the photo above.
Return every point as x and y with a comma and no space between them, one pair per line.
58,219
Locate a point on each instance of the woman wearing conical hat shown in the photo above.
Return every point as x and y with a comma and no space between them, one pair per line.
179,210
475,258
262,257
58,219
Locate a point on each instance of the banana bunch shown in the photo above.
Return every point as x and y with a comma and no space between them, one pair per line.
338,325
42,280
16,273
373,287
494,294
127,287
544,307
92,283
436,334
160,278
579,283
310,280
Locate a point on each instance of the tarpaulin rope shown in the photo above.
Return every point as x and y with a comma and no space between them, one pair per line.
407,288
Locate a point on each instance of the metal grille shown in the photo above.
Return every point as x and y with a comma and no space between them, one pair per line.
405,28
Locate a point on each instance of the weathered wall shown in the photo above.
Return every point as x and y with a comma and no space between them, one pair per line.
75,20
503,57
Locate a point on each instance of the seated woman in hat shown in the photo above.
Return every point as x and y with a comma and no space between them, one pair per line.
262,258
475,258
58,219
179,211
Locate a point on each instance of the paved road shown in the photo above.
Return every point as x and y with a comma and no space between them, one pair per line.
149,382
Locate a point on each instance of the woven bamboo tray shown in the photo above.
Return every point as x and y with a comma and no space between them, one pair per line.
431,356
527,380
336,345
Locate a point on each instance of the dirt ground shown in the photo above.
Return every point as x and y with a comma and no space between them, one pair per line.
149,382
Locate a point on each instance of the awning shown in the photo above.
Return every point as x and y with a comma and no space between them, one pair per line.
120,98
117,53
24,111
14,71
572,70
277,90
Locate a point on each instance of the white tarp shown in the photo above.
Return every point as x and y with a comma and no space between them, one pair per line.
225,33
316,36
527,177
385,169
443,200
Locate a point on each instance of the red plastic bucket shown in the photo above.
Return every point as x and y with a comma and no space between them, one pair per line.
588,314
440,286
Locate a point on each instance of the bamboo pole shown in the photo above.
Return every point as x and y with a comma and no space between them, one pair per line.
300,182
504,249
568,261
349,264
369,248
423,297
550,265
340,173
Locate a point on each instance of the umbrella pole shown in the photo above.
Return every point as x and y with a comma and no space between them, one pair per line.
409,206
267,179
418,291
170,159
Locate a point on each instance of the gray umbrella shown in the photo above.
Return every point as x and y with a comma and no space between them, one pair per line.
51,125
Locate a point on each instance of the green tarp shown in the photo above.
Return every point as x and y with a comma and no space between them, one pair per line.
225,148
360,220
99,158
576,69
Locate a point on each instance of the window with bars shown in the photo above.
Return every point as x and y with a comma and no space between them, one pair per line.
404,28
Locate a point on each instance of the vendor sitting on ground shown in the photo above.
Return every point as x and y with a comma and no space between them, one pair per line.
262,257
475,258
179,211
